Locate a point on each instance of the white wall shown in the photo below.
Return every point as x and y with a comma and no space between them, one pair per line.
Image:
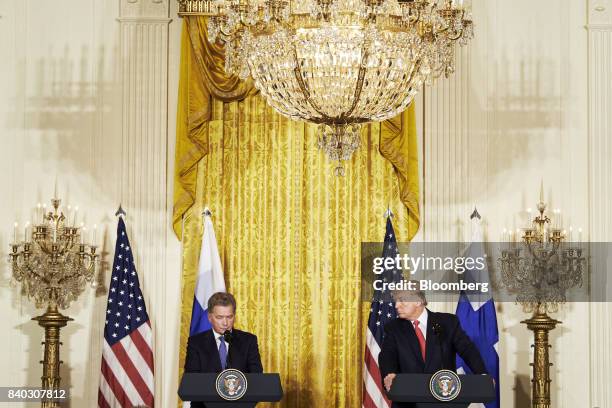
89,95
85,99
516,113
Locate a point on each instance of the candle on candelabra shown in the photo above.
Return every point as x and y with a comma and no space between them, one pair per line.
529,220
38,211
68,214
15,232
44,212
504,233
25,231
571,234
517,235
95,229
542,191
83,232
580,235
74,219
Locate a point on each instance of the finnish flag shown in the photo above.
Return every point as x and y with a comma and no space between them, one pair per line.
476,313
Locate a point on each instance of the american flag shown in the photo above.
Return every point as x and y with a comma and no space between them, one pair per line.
127,356
381,311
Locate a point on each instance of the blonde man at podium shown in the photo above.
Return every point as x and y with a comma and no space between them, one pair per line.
422,341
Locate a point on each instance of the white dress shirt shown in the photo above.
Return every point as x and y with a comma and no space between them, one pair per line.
422,323
218,337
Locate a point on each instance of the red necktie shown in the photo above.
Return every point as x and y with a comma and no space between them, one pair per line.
420,337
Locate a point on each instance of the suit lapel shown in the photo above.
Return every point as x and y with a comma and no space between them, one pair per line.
413,341
214,351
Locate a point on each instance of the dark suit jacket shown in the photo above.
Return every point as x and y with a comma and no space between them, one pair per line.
400,352
203,354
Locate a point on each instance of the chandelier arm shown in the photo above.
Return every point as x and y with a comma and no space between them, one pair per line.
361,75
448,27
458,36
303,86
417,18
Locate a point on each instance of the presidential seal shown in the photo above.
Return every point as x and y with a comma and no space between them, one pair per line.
231,384
445,385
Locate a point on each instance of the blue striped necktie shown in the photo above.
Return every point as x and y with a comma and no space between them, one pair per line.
222,352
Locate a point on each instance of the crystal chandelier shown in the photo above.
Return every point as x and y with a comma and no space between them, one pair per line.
337,63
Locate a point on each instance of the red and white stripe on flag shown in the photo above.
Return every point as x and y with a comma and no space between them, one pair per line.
373,392
127,371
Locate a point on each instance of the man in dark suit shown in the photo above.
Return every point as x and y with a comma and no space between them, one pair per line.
223,346
421,341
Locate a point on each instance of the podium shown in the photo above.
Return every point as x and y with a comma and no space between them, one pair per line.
201,387
415,388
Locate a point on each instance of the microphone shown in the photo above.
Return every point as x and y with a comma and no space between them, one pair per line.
228,337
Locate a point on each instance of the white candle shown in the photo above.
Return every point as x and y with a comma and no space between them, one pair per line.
95,229
44,210
38,211
504,233
542,191
83,232
571,234
15,232
55,189
68,214
25,236
529,220
74,219
579,234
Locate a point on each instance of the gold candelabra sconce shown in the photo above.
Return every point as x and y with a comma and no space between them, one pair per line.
541,268
53,264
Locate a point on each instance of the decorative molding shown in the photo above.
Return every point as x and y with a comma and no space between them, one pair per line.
145,20
144,75
600,11
144,8
600,196
446,157
599,27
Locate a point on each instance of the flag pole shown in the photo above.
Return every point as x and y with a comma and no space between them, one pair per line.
388,213
120,212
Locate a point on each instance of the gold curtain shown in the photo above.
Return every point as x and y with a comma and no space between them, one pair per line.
288,230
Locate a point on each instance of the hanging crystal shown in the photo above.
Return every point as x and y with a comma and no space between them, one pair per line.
338,62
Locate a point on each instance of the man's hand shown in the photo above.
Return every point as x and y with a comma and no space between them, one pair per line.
389,380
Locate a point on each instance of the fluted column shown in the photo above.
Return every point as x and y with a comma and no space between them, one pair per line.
600,187
144,32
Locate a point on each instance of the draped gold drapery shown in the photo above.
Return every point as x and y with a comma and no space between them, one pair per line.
288,230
